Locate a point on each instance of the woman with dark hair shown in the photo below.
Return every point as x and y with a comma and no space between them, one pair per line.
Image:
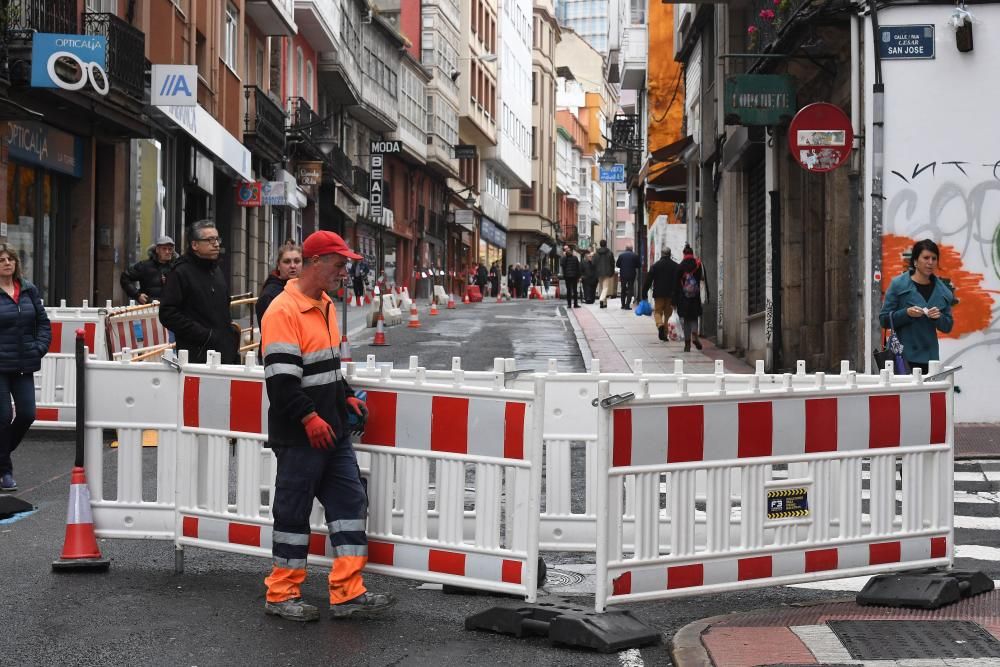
289,266
687,296
25,335
918,305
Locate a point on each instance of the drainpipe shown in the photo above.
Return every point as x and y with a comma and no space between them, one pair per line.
855,189
873,293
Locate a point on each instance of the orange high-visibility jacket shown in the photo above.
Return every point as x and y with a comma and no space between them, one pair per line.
301,344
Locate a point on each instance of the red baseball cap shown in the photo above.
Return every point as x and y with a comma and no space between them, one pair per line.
326,243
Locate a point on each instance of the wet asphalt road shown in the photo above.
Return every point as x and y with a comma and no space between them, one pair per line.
142,613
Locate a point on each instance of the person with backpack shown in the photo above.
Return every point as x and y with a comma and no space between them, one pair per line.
687,296
661,277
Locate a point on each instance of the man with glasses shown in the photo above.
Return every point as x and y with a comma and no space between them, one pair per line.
195,300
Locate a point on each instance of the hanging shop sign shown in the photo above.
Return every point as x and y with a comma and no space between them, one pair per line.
174,84
36,143
309,173
375,161
612,173
70,62
906,42
759,99
385,147
820,137
465,151
274,193
248,194
464,217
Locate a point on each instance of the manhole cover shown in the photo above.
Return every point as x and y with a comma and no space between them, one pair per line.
562,578
900,640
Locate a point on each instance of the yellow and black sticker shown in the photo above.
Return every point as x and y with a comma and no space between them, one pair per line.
787,503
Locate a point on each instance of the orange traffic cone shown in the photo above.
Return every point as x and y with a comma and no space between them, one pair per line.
451,301
80,550
368,298
345,349
434,307
379,331
414,318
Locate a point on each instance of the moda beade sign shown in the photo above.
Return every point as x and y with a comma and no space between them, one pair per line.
377,150
759,99
70,62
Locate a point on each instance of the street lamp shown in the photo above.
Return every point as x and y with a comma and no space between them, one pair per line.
482,57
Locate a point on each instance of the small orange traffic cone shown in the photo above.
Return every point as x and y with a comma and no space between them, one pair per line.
368,298
414,322
379,331
345,350
434,307
80,550
451,301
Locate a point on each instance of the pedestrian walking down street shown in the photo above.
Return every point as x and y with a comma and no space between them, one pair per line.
661,277
495,279
482,277
511,281
25,336
687,296
918,304
308,430
628,264
588,274
546,275
289,266
150,273
359,275
604,264
524,285
195,300
570,266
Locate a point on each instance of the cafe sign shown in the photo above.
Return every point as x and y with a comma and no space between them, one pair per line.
759,99
309,173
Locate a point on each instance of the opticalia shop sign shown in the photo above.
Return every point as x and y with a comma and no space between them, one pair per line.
759,99
70,62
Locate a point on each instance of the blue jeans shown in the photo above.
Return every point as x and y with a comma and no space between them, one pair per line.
21,386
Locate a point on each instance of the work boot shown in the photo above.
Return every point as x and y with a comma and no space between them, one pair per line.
294,609
687,345
662,332
366,604
7,482
697,343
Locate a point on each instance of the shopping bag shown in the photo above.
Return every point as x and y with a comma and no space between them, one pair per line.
892,350
643,308
674,327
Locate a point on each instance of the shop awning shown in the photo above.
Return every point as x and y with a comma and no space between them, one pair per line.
668,183
672,151
212,136
11,110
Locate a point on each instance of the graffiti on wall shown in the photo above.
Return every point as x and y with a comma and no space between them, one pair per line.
956,204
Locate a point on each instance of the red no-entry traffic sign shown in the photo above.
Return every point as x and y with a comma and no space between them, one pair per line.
820,137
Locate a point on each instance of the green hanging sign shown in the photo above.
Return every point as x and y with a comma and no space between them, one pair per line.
759,99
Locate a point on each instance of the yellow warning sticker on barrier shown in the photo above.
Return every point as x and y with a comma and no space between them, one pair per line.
787,503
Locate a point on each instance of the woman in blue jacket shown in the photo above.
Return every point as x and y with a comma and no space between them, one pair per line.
24,339
919,305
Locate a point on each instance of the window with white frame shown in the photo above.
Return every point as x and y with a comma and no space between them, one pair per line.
621,198
620,230
299,71
309,85
230,37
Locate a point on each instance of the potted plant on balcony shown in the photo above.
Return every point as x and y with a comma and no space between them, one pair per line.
781,8
753,35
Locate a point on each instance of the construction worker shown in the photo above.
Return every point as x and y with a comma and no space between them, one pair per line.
308,431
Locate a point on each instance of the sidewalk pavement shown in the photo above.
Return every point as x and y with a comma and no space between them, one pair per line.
836,632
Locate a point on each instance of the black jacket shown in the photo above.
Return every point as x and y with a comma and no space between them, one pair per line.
151,276
570,265
688,308
604,262
481,276
273,286
589,270
25,333
195,307
662,277
628,264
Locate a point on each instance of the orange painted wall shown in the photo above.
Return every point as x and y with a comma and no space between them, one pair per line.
663,75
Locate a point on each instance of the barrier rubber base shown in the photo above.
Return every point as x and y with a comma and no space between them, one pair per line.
568,626
81,565
11,505
923,589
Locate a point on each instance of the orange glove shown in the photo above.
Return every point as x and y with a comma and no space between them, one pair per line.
320,434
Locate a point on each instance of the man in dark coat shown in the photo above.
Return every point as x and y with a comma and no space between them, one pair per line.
662,277
482,277
687,296
628,269
570,266
195,300
588,275
150,273
604,263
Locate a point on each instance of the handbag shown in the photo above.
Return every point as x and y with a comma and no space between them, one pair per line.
892,350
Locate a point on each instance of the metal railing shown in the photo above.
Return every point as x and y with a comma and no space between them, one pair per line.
362,181
264,123
58,16
625,132
305,123
341,166
126,54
